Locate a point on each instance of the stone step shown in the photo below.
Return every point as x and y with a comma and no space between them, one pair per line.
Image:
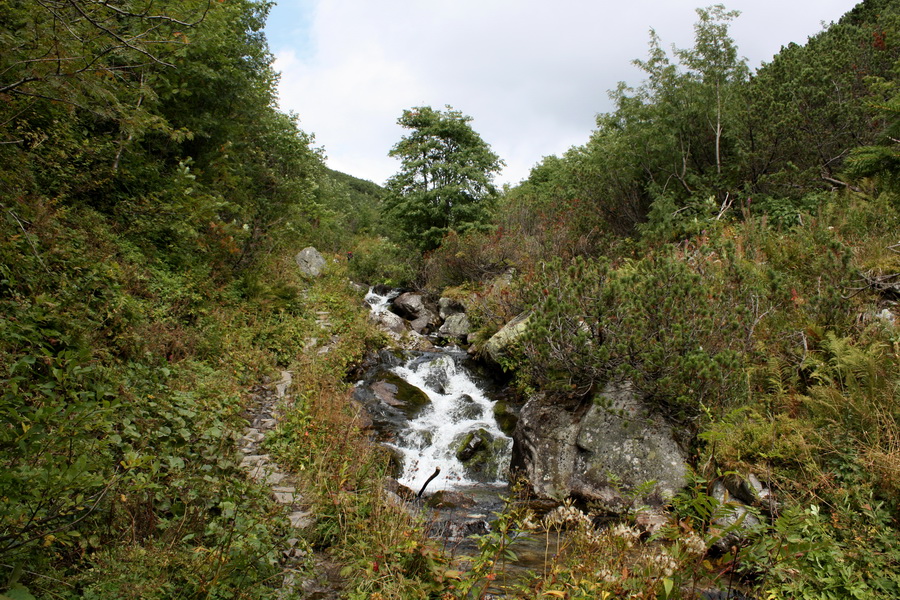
275,478
254,436
285,497
254,460
300,519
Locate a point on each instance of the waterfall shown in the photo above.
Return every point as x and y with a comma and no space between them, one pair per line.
456,430
459,419
379,303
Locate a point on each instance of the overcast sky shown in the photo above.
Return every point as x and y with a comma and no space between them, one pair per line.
533,75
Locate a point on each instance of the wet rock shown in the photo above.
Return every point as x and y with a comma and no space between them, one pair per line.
480,453
391,389
437,380
401,491
467,410
310,262
389,358
386,419
449,499
471,443
506,417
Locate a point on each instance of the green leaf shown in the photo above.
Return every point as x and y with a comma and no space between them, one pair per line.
17,592
668,584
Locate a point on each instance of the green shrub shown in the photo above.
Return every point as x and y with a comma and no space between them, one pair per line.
377,260
655,322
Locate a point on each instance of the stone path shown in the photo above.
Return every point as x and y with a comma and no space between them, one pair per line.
259,466
263,417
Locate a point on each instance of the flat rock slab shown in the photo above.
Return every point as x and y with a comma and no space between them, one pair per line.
300,519
254,460
284,497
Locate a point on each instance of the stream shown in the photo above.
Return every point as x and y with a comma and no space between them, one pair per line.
437,415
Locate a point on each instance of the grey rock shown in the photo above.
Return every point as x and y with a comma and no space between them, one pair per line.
420,324
300,519
456,326
311,263
254,436
388,321
282,386
275,478
409,305
284,497
598,451
732,520
498,345
448,307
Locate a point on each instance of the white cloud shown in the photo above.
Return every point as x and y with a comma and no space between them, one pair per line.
532,74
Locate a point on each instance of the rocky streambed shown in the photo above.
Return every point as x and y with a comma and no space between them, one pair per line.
456,438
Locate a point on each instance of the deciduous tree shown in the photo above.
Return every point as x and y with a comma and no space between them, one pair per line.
445,179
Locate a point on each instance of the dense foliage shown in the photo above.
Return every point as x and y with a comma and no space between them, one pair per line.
726,243
150,192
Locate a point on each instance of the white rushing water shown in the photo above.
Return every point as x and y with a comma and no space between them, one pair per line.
379,303
458,406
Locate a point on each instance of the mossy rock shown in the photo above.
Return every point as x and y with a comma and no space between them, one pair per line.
394,391
480,453
505,417
468,410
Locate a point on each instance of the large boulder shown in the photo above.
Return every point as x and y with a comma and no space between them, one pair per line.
389,322
497,347
456,326
390,403
448,307
311,263
394,391
598,451
411,306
